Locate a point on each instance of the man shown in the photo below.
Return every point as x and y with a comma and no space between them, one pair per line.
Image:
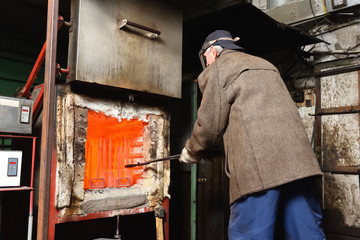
270,162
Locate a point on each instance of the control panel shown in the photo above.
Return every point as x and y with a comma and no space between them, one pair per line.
15,115
10,168
25,114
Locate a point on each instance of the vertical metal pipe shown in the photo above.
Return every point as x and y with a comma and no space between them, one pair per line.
166,205
48,150
318,149
31,204
193,166
318,130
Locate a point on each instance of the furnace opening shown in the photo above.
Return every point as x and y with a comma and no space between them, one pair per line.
110,145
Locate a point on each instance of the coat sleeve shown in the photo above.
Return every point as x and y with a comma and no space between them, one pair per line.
212,115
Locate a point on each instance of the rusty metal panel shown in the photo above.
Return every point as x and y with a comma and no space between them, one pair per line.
129,58
342,203
341,135
340,90
338,133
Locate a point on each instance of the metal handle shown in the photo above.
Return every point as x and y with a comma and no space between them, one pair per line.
173,157
124,22
201,180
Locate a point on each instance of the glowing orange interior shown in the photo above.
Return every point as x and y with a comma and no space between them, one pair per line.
110,145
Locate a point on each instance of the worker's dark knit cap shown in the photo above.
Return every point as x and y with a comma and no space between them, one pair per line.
221,38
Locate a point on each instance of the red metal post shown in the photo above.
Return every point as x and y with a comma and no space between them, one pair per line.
52,208
48,150
31,204
32,176
166,206
39,100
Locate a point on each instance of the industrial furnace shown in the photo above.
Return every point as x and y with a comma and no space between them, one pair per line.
96,138
131,48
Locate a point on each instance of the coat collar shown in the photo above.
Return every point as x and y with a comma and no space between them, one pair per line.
208,71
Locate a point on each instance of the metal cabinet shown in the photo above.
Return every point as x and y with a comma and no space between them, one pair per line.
16,202
128,44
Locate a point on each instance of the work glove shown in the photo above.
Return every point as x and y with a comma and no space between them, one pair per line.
187,157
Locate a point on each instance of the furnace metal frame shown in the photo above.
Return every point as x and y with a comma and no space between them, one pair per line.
47,212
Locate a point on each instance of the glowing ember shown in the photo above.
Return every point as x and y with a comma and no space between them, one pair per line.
110,145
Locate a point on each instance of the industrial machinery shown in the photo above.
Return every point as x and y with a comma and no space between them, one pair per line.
15,115
108,113
17,150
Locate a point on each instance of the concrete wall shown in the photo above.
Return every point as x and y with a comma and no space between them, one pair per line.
14,71
339,133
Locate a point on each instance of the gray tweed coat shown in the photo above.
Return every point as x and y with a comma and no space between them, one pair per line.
246,103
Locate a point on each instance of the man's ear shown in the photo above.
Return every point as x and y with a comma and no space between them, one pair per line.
213,51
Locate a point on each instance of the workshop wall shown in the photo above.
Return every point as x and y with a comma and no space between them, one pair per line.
336,132
340,132
14,71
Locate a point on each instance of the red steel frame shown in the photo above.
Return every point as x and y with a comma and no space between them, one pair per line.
55,217
166,205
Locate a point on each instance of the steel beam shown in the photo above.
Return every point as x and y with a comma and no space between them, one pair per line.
48,150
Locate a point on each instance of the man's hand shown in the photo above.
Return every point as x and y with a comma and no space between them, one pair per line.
187,157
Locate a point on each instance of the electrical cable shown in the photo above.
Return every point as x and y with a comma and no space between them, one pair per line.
346,52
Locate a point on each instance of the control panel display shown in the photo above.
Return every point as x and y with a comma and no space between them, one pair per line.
12,167
25,114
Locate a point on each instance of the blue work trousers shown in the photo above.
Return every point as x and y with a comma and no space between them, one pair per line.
295,205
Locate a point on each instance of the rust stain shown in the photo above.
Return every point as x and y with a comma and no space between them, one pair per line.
330,150
336,146
341,200
110,145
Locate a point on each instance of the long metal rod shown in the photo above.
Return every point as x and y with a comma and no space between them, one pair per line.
337,110
193,166
330,72
342,169
173,157
25,92
48,122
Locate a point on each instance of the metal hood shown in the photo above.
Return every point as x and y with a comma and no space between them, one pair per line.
299,11
259,33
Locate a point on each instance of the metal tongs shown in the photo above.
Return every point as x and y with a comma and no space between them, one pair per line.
173,157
